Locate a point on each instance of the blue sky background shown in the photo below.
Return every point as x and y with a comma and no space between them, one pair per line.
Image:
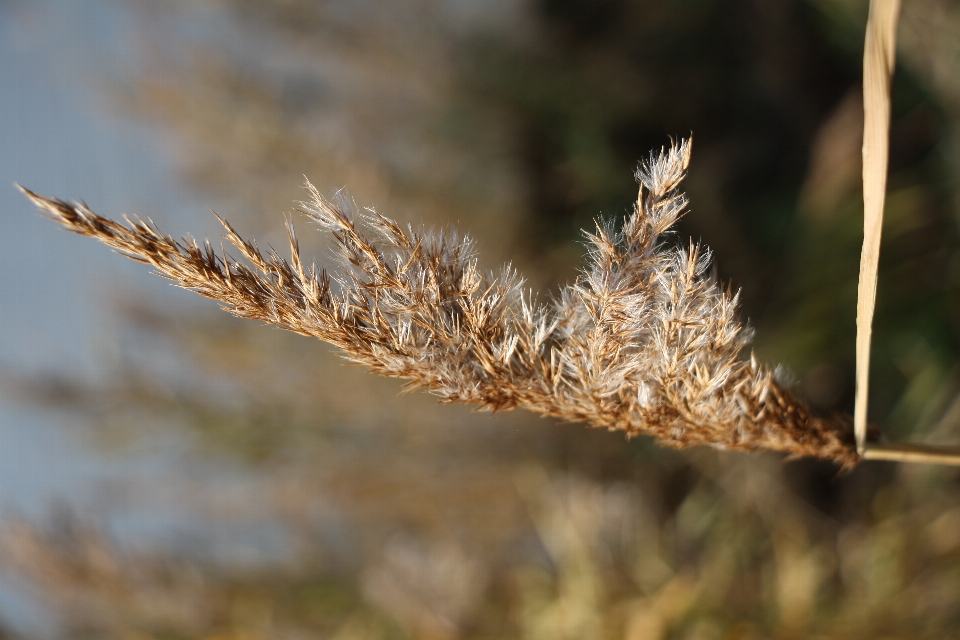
58,137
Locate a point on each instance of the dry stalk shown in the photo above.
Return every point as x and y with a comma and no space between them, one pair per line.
879,52
879,57
644,341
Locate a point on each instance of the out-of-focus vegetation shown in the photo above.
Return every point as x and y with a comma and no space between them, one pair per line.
521,122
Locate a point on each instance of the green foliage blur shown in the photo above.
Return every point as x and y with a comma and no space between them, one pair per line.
521,123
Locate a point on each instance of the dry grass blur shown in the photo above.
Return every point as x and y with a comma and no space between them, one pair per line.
404,519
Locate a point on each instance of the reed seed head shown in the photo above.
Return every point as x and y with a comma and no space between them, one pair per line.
644,341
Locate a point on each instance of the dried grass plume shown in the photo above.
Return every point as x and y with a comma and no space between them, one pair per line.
644,341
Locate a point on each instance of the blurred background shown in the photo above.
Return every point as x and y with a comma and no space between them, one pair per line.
167,471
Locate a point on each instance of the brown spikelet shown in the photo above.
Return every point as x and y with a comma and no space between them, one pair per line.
645,340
